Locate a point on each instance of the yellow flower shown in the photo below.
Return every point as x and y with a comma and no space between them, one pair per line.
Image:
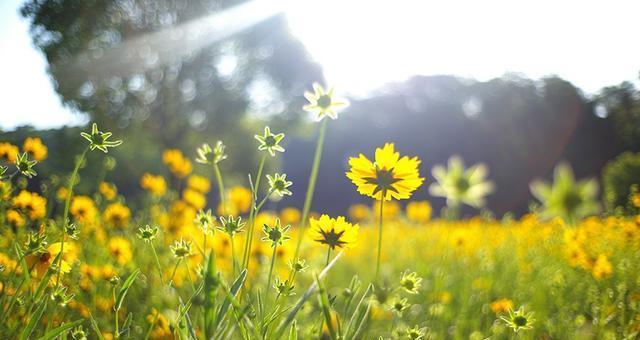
194,198
35,147
108,190
162,327
241,198
391,210
359,212
9,152
7,262
178,164
42,261
602,267
61,194
290,215
117,215
501,306
83,209
636,200
32,204
419,211
120,249
334,232
5,190
199,184
14,218
155,184
322,103
396,177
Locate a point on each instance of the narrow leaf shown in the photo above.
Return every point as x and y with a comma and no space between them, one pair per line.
125,288
235,288
52,334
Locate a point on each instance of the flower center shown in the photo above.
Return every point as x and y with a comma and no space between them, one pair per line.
270,141
324,101
383,180
331,238
520,321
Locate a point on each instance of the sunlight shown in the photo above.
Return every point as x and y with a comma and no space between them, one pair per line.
364,44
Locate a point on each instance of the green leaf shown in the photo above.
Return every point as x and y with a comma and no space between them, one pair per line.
326,308
44,282
235,288
126,325
293,332
360,315
52,334
95,327
125,288
33,321
285,323
211,283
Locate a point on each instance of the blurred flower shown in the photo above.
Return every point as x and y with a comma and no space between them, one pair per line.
602,268
178,164
206,221
120,249
459,185
396,177
99,140
278,184
181,249
398,305
34,147
25,166
635,200
359,212
60,297
15,219
322,103
83,209
276,233
415,333
501,306
566,198
9,152
199,184
240,197
108,190
290,215
41,261
391,209
61,194
270,142
334,232
148,233
208,155
410,282
419,211
32,204
117,215
519,319
194,198
230,225
155,184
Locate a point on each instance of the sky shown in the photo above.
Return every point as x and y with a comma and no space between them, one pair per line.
364,44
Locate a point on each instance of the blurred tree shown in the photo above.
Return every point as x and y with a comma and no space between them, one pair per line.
172,73
619,176
622,104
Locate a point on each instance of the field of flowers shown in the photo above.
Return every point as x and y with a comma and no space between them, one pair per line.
84,265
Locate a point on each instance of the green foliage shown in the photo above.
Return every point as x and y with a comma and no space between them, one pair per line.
618,178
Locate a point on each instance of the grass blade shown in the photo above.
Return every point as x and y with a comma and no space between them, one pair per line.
33,321
125,288
211,283
235,288
95,327
359,313
326,308
52,334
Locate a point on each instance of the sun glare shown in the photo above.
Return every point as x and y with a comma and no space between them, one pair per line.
364,44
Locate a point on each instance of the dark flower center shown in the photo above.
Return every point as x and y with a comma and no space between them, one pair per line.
331,238
520,321
324,101
383,180
270,141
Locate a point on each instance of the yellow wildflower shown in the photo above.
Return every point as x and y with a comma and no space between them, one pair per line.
14,218
392,175
178,164
120,249
83,209
199,184
40,262
419,211
34,147
9,152
501,305
117,215
359,212
108,190
334,232
602,267
155,184
194,198
32,204
290,215
240,197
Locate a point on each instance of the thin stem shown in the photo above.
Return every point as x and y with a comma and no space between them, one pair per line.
233,255
273,261
257,209
193,285
174,272
155,254
252,213
218,175
116,314
328,256
67,203
312,183
380,234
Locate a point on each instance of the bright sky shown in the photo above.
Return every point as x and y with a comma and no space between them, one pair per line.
363,44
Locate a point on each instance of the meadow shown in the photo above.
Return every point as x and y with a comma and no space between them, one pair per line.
85,265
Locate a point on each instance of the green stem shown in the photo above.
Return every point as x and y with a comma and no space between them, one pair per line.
380,234
328,257
312,184
174,272
233,255
252,213
218,175
193,285
155,254
273,261
116,315
67,203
